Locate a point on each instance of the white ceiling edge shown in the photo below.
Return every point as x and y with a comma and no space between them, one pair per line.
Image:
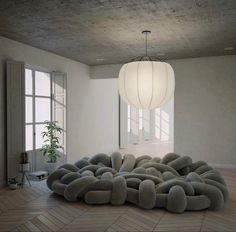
108,71
105,71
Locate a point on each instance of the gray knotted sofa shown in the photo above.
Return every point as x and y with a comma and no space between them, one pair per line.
173,182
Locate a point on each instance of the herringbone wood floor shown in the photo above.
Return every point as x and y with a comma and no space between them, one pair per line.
37,209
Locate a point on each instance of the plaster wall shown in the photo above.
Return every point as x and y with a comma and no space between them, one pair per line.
204,106
92,105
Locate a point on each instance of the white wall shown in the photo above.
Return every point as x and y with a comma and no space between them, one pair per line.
93,118
204,107
92,105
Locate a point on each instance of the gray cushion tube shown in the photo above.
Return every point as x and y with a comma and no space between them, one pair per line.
169,157
58,187
161,200
196,165
75,187
165,186
102,158
116,160
69,177
141,162
192,176
70,167
58,174
90,167
199,202
214,176
96,185
128,163
142,157
133,183
160,167
180,162
147,194
119,191
101,170
107,176
168,176
139,170
82,163
176,200
213,193
155,179
132,196
97,197
87,173
203,169
220,186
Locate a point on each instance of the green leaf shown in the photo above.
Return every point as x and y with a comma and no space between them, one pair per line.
51,140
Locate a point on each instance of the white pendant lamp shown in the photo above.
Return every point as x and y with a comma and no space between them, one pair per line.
145,83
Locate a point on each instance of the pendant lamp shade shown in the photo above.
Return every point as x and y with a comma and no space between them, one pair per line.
146,84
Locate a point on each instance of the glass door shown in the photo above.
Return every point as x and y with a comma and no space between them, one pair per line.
38,107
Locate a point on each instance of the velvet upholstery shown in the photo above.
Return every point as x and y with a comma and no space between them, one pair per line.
173,182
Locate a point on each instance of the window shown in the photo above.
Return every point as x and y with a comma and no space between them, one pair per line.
42,97
140,120
37,106
128,118
150,126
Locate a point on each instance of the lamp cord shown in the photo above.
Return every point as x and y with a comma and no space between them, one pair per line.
146,57
146,34
146,41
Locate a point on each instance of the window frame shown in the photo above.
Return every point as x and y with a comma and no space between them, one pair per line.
33,96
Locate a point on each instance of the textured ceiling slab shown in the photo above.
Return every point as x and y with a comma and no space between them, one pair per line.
109,31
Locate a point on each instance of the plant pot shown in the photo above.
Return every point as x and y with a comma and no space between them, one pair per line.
13,186
24,167
51,167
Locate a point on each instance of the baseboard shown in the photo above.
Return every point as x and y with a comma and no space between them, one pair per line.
226,166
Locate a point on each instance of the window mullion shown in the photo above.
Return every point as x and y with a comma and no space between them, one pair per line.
34,137
51,98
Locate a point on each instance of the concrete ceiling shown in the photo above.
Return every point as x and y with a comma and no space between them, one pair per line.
91,30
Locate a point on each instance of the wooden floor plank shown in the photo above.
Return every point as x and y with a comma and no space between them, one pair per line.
40,225
54,220
37,209
48,223
32,227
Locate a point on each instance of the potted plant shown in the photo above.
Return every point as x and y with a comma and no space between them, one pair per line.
12,183
51,144
24,158
24,165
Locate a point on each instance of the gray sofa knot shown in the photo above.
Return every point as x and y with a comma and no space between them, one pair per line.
173,182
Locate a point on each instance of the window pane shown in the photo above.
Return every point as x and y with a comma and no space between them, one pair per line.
134,122
158,123
28,110
128,123
38,135
42,109
28,82
128,111
140,123
28,137
42,83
